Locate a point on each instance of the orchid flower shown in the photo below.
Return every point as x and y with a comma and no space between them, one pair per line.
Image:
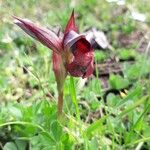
72,53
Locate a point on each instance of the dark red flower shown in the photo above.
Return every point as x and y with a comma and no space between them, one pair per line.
72,54
75,50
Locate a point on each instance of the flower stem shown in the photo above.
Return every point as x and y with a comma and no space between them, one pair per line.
60,103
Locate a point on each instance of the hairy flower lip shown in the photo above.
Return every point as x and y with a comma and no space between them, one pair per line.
86,68
81,72
77,68
89,66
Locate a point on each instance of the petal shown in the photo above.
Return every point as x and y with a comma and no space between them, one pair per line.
71,24
71,38
43,35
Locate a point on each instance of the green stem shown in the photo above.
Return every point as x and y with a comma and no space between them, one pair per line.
73,96
22,123
60,103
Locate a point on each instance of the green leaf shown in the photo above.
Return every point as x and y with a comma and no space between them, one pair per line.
46,138
126,54
94,144
118,82
67,141
99,56
14,111
133,106
95,126
56,130
10,146
42,141
21,144
113,99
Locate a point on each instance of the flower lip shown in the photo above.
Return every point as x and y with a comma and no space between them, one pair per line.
82,61
78,70
89,70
